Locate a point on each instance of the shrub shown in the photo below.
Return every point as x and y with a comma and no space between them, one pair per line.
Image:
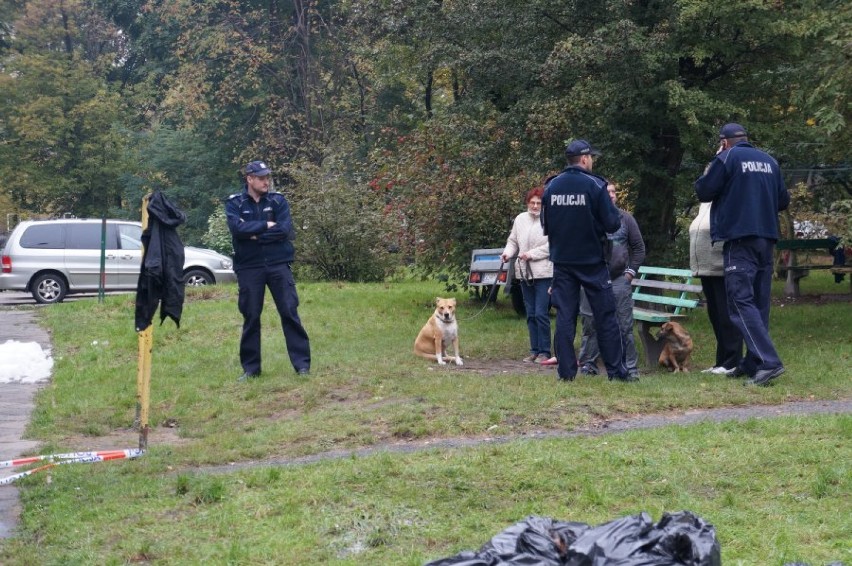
342,232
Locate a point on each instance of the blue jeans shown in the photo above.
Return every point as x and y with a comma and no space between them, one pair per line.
537,304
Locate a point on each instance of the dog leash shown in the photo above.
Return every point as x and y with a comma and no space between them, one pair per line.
490,297
526,272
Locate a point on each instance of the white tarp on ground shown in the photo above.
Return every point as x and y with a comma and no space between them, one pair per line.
24,362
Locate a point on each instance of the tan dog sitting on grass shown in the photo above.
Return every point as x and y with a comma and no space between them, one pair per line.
439,331
677,349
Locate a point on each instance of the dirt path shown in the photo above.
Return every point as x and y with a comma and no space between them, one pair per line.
843,406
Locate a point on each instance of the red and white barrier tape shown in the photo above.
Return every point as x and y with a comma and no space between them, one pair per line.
69,458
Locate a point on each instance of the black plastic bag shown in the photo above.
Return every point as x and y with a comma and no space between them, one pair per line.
678,539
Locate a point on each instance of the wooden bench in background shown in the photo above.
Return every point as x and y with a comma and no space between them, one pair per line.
798,257
661,294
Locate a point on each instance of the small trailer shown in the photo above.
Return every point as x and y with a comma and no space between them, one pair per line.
487,274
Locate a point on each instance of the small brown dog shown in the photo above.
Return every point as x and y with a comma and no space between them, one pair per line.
677,349
439,331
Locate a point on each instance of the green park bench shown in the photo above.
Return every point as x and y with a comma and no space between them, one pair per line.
660,295
796,258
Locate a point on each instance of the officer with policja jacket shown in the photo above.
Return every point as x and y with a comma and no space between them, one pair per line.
747,190
576,215
262,234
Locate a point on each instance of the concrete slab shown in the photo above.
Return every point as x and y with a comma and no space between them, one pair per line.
16,406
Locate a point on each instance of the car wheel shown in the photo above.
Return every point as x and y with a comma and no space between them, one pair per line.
197,278
49,288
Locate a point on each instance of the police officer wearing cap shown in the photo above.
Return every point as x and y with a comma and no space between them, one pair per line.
262,234
747,190
577,213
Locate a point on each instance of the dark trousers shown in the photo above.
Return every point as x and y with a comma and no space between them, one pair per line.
589,351
253,283
729,339
594,280
748,282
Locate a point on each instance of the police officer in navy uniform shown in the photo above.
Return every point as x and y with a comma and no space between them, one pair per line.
747,190
262,234
577,213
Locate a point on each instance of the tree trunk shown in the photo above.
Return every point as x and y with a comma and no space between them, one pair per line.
655,205
427,96
302,25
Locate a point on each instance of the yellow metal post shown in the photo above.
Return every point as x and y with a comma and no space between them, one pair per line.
146,340
143,370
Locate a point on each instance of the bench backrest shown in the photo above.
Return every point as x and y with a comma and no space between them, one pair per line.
826,244
665,288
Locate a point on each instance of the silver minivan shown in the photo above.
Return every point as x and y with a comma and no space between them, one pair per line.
51,258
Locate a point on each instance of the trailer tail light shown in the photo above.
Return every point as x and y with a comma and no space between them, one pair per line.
7,264
501,277
475,276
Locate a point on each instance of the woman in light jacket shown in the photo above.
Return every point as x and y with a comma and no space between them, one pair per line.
705,260
534,272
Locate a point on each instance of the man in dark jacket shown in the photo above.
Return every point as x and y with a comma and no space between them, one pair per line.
576,215
747,190
627,252
262,234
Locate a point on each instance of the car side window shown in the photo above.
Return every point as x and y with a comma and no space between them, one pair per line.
44,236
130,236
85,236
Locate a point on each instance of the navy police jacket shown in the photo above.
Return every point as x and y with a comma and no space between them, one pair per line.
576,214
747,190
255,245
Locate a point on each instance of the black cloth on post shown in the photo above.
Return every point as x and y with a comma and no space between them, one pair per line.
161,273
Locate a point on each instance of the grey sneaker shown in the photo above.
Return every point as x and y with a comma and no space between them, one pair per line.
765,376
589,369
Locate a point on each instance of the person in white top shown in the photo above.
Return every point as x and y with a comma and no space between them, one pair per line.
534,270
707,263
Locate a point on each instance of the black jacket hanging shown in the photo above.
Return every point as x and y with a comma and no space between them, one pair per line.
161,273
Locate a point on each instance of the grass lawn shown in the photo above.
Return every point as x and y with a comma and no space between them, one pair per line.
777,490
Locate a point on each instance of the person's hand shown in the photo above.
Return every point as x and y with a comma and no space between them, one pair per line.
721,148
524,256
270,224
504,258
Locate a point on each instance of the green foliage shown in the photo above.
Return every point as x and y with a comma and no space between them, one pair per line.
60,141
189,169
61,151
218,236
342,229
823,203
442,112
451,186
